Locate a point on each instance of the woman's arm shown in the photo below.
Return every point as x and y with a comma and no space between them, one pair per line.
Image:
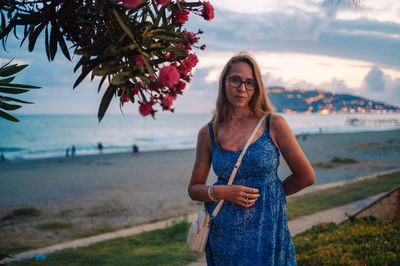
198,190
302,173
197,187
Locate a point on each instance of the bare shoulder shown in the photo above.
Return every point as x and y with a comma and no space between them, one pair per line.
204,137
278,123
204,132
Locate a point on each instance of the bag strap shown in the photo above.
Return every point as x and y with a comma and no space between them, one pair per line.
236,167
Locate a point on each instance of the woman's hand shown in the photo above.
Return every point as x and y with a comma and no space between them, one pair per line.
237,194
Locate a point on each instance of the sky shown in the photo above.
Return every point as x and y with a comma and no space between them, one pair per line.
330,45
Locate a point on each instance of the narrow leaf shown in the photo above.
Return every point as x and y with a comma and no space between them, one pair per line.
6,80
101,83
122,24
33,37
46,42
9,27
11,70
24,86
12,90
9,99
85,72
63,46
120,78
148,66
105,101
53,40
8,116
9,107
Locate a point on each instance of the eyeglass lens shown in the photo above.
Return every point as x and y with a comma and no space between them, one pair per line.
236,81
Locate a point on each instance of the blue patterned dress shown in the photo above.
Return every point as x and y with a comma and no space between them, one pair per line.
258,235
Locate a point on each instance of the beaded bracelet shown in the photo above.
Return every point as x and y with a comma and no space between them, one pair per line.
211,193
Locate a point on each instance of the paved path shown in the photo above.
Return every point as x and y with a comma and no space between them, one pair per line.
296,226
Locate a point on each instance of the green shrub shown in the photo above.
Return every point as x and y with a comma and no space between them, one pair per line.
334,162
22,213
54,225
366,241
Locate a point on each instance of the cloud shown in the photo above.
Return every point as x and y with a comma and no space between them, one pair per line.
303,31
373,81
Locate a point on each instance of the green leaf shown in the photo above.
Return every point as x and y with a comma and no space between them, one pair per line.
63,46
53,40
120,78
101,83
24,86
105,101
9,27
85,71
8,116
12,90
122,24
11,70
148,66
33,37
6,80
46,42
9,107
9,99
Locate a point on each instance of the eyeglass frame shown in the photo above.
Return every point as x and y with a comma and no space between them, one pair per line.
241,82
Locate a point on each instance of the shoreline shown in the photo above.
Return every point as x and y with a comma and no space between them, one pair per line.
95,152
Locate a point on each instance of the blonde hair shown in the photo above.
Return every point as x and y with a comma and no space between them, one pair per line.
259,103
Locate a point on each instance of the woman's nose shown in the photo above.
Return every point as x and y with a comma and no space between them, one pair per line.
242,87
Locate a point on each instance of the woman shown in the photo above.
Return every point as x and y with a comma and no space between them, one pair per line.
251,227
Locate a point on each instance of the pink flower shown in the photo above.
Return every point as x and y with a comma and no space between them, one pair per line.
146,109
131,3
135,90
138,61
167,101
190,39
125,98
169,76
208,11
163,2
180,87
179,16
187,65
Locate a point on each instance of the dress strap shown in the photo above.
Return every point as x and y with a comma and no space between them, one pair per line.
211,132
267,121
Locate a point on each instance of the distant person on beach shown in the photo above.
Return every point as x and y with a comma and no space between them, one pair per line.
135,149
73,150
251,227
67,153
100,147
2,158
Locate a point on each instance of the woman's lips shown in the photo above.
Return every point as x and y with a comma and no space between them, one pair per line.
240,98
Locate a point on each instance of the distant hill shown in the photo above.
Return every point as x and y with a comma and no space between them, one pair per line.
319,101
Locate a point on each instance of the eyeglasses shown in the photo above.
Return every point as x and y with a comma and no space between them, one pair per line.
236,82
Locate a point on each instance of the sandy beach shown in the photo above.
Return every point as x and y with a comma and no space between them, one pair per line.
121,190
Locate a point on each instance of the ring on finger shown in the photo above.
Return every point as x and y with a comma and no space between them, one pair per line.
247,199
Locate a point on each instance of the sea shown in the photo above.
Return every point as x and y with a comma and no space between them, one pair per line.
43,136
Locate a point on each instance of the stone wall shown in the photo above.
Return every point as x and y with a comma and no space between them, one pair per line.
387,207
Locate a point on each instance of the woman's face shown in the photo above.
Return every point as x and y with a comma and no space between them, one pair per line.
238,95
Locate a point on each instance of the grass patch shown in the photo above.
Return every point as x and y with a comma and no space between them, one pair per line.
159,247
101,229
22,213
366,241
54,225
334,162
318,202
